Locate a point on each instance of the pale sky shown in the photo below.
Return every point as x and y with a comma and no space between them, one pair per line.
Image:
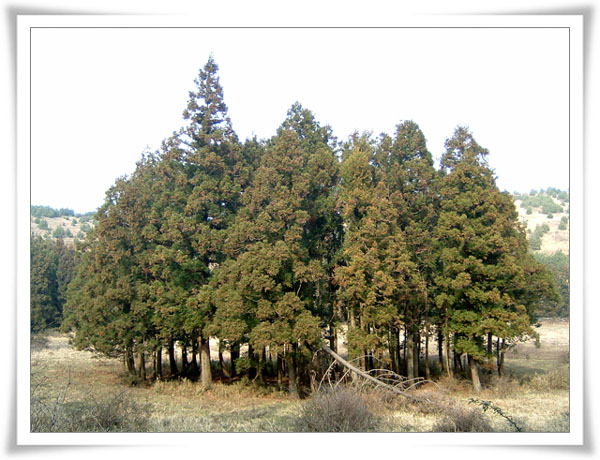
100,97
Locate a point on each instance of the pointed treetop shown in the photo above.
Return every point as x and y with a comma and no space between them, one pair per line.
462,146
206,109
303,123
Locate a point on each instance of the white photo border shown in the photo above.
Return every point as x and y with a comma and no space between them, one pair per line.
574,23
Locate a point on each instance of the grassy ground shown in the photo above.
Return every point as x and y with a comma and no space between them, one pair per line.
72,385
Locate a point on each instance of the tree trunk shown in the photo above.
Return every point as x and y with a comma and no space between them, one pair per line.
447,353
222,362
396,339
474,373
252,368
417,353
392,351
458,363
261,366
333,337
129,361
184,361
490,343
205,371
194,368
440,342
235,354
291,365
427,370
409,348
142,371
158,361
172,363
279,372
501,358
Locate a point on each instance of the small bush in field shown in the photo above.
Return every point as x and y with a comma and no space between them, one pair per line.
503,387
337,410
557,379
461,420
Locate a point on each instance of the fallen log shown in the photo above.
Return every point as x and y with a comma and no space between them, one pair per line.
366,376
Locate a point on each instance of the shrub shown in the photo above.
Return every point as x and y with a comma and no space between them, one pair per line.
117,414
556,379
563,223
535,242
338,410
460,420
59,232
38,342
503,387
43,224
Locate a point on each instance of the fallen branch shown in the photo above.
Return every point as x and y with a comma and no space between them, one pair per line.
364,375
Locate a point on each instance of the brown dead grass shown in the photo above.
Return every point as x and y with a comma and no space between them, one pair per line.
534,393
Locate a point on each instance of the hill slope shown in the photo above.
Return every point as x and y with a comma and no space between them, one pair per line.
550,207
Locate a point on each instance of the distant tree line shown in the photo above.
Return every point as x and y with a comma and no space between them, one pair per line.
47,211
542,199
558,263
278,245
52,269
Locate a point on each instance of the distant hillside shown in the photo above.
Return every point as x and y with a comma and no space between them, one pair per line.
60,223
545,214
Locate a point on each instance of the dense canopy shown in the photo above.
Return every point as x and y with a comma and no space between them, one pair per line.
275,247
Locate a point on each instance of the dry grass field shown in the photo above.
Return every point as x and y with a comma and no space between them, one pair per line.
82,391
555,239
73,224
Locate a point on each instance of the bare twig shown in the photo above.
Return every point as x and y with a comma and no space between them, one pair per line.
365,375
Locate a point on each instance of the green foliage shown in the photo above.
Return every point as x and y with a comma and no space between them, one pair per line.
47,211
541,200
489,283
558,264
59,232
273,243
52,268
535,240
42,224
564,221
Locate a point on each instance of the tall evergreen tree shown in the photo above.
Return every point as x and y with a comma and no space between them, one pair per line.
408,172
374,271
278,247
482,248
